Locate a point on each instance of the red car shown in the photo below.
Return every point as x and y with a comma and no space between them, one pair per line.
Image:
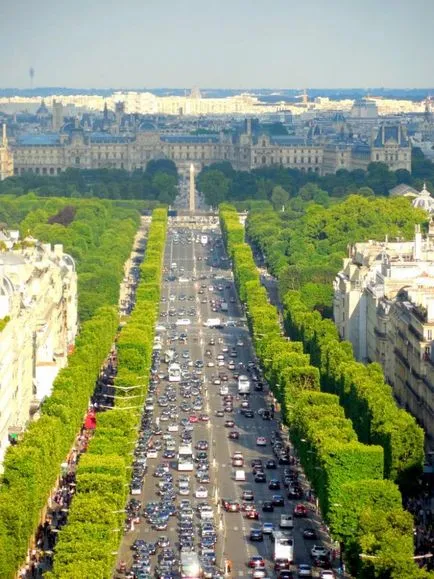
234,435
193,418
232,507
300,510
252,514
256,561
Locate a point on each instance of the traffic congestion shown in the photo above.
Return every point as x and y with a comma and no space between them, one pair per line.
216,490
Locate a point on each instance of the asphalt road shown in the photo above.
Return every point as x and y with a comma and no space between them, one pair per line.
232,528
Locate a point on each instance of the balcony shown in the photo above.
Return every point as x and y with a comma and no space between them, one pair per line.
401,357
380,334
420,313
415,332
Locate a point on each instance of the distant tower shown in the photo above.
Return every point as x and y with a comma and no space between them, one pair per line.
192,190
119,113
31,74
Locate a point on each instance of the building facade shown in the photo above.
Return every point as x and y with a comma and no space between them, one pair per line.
384,305
38,306
50,154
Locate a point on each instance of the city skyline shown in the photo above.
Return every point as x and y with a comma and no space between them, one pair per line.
228,45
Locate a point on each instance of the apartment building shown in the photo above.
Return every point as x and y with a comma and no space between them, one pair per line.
38,309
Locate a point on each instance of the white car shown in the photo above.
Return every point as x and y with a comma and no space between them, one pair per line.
327,574
152,453
261,441
259,574
304,570
267,528
318,551
210,364
201,493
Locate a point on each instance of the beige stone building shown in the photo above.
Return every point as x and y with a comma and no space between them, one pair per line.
6,157
53,153
384,305
38,301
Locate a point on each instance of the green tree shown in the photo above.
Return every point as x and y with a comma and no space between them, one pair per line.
279,197
214,185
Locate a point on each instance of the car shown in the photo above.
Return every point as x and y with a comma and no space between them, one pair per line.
260,477
322,561
204,418
237,461
294,492
267,528
327,574
304,570
234,435
281,564
247,495
267,507
271,464
248,413
261,441
256,534
278,500
300,511
256,561
193,419
219,413
310,533
274,484
201,492
233,507
285,574
252,514
202,445
318,551
229,423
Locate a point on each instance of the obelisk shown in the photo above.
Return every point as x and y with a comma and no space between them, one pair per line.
192,190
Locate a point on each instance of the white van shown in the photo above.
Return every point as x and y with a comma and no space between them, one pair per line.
239,475
286,522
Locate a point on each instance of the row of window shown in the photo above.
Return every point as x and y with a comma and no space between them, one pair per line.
288,160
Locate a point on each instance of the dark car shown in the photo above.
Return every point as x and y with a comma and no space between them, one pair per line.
281,564
260,477
271,464
278,500
274,484
310,533
285,574
295,493
322,561
256,534
267,507
248,413
234,435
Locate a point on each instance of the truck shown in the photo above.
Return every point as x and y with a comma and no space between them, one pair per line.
185,458
283,546
243,384
204,239
190,565
224,306
213,323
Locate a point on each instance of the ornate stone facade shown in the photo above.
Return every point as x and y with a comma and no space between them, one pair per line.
6,157
52,153
38,293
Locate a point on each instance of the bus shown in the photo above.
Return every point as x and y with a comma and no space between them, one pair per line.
185,458
174,372
283,546
243,384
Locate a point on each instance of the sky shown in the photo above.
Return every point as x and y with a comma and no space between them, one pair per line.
217,43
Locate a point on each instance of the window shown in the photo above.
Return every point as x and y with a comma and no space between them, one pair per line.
264,160
77,160
377,157
429,335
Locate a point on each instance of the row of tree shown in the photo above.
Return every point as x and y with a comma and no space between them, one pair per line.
88,544
304,245
219,182
362,508
32,467
96,233
158,182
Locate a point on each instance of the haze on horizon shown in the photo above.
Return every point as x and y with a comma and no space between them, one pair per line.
226,44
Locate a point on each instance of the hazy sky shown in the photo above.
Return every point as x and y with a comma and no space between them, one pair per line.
217,43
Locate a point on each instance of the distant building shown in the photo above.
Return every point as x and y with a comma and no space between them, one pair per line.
384,305
57,118
6,157
112,147
38,293
364,109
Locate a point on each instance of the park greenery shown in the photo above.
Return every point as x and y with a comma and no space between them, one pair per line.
219,182
157,183
350,475
88,544
99,235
